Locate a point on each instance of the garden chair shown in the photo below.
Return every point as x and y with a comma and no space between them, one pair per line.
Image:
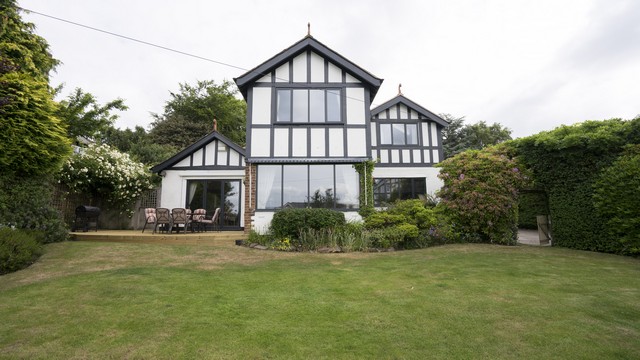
197,217
149,217
179,217
163,218
213,221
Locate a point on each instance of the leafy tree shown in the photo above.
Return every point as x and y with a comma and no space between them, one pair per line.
85,117
458,137
189,114
138,144
33,140
480,194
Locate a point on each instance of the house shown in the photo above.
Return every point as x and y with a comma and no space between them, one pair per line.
309,120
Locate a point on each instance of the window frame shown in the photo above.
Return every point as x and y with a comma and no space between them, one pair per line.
391,125
387,190
291,104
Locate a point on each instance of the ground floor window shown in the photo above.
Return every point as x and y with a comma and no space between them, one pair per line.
333,186
389,190
212,194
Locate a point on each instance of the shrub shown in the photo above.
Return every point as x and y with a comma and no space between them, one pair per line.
616,200
480,194
25,203
102,170
18,249
415,212
566,163
289,222
382,219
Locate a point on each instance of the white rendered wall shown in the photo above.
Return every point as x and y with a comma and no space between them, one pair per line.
261,106
431,174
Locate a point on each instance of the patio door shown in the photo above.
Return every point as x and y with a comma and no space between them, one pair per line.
213,194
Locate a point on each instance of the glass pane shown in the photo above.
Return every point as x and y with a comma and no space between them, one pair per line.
269,186
195,190
316,105
419,187
412,134
321,191
347,185
398,134
284,105
212,198
385,134
300,105
231,203
333,105
294,186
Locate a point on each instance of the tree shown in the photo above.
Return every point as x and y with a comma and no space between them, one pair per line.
189,114
458,137
33,139
85,117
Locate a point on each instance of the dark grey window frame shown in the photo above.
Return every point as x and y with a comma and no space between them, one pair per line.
404,125
326,89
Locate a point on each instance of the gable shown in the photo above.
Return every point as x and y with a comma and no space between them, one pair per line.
401,107
305,62
213,151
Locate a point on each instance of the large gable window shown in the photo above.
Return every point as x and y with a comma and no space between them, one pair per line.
398,134
308,106
386,191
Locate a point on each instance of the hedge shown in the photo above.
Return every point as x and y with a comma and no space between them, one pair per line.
531,204
289,222
18,249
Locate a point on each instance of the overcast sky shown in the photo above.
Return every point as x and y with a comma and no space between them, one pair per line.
528,65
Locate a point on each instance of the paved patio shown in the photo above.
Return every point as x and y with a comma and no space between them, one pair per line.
530,237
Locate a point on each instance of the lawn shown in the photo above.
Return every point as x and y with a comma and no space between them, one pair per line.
107,300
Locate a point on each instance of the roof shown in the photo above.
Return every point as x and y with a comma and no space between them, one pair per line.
308,43
195,147
401,99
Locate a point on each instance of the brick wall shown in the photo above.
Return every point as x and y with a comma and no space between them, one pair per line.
250,196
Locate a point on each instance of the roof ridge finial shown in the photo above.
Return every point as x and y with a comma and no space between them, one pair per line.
399,89
308,29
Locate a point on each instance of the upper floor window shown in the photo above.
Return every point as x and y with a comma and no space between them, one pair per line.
308,105
398,134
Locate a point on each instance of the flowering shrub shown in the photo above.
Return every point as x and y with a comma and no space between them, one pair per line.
480,195
101,170
282,244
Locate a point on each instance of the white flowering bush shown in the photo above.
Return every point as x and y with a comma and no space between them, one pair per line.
105,172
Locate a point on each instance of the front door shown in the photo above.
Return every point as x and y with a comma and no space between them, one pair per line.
213,194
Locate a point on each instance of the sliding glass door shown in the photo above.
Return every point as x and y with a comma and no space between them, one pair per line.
213,194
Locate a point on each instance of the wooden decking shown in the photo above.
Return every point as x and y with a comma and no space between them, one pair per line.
136,236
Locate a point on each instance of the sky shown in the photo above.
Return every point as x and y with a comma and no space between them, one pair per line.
528,65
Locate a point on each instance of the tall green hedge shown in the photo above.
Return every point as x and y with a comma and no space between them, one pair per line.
566,162
531,204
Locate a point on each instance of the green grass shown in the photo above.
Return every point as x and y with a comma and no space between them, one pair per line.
106,300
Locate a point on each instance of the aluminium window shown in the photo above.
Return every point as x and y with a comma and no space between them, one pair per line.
388,190
398,134
308,106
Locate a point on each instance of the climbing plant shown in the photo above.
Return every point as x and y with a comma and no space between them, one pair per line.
365,172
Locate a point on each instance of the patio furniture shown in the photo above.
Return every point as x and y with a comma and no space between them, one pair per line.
213,221
179,217
149,217
163,218
197,217
86,217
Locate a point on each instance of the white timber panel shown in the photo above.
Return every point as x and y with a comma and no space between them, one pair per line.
384,156
317,68
281,142
436,156
417,156
234,158
374,154
261,106
414,114
374,133
425,134
222,154
335,74
265,79
382,114
197,157
393,112
355,106
184,162
299,146
395,156
434,135
350,79
406,156
300,68
336,142
318,143
209,151
260,142
404,112
282,73
427,156
356,142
